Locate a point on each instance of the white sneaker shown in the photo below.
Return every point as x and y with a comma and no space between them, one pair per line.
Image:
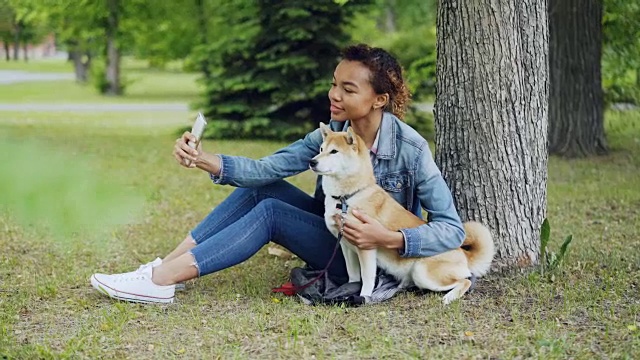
135,286
157,262
154,263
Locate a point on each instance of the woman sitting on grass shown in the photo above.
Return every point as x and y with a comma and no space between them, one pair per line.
369,94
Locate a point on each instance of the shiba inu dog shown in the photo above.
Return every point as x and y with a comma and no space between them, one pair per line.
349,183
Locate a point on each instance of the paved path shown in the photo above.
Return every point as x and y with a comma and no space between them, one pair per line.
15,76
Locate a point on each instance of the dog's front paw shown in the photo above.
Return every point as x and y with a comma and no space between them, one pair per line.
449,298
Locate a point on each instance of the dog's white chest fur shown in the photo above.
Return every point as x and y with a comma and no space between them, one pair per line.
330,211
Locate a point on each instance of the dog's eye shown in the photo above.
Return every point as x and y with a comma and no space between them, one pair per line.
334,151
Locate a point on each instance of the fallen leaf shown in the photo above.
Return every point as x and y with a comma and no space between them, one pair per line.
280,252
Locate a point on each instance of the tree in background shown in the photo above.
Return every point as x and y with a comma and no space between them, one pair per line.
621,51
165,31
491,118
20,25
576,102
6,26
113,54
78,24
272,76
406,28
95,34
75,26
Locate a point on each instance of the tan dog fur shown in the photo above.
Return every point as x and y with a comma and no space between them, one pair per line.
345,165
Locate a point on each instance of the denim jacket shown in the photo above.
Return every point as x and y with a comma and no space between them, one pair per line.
403,166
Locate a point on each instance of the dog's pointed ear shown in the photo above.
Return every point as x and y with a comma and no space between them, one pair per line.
351,137
324,130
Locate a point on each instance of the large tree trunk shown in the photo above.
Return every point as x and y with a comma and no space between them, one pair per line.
491,118
576,103
113,53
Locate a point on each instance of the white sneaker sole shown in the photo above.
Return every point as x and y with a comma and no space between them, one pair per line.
120,295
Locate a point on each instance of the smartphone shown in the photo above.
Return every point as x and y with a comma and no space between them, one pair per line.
196,130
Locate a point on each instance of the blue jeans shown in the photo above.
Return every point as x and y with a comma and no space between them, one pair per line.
251,217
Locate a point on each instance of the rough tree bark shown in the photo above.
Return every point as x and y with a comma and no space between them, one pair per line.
112,75
576,102
491,118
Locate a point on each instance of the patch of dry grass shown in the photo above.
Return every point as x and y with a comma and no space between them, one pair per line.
48,309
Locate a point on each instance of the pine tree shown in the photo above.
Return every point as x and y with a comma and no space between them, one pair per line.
272,81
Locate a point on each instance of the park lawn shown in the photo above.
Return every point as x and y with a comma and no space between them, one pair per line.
143,85
51,65
591,308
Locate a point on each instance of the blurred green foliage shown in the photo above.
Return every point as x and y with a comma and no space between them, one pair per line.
60,193
621,51
407,29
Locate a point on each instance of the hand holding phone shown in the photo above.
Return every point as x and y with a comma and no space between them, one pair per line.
196,130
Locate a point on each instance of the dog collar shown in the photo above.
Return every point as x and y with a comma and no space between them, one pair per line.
342,206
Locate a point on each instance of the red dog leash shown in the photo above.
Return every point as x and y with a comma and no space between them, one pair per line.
289,288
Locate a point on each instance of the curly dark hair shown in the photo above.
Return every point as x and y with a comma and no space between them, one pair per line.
386,75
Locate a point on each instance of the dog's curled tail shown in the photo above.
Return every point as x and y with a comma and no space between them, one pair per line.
478,247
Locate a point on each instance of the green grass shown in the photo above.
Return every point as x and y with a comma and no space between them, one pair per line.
48,309
144,85
40,65
159,88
